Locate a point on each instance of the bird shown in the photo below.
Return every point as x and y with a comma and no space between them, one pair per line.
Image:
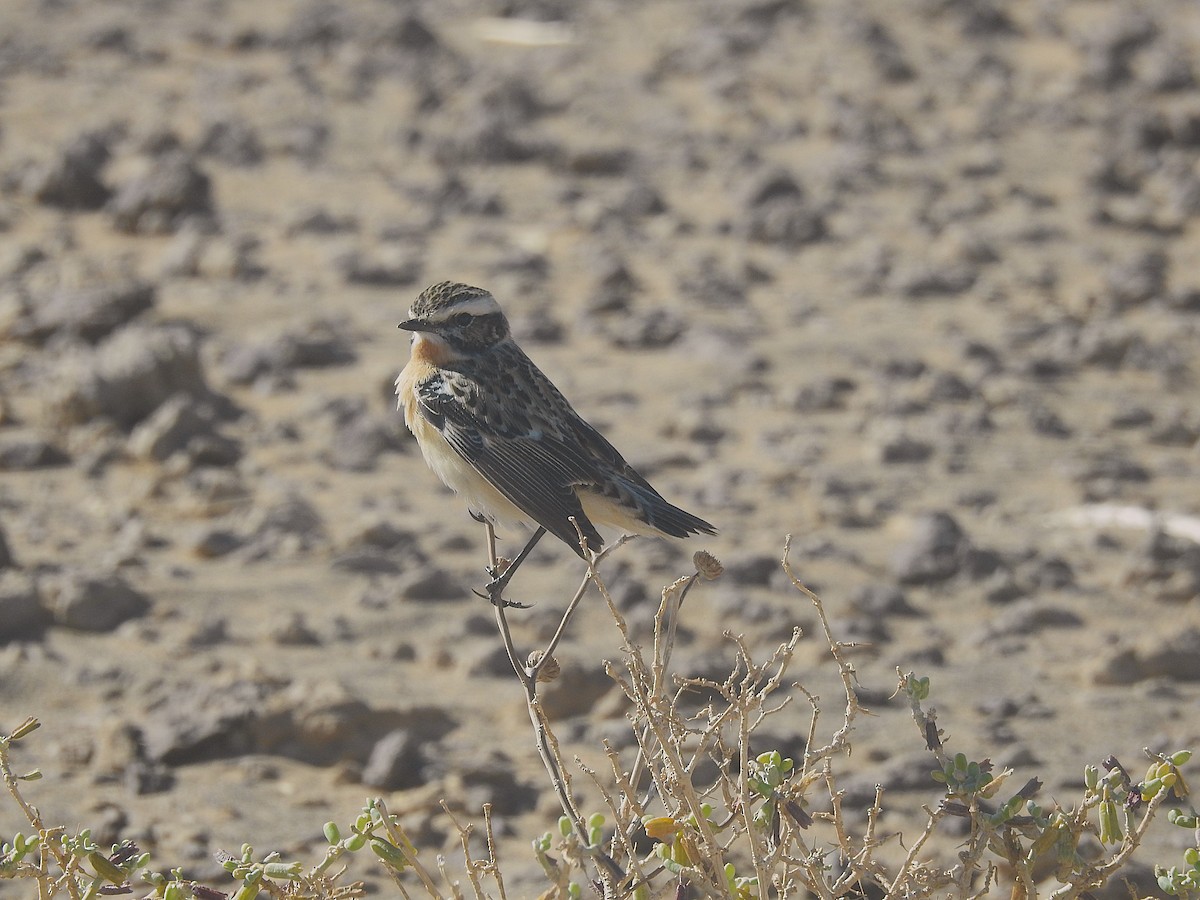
496,431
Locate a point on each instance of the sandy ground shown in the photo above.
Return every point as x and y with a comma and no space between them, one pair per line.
914,281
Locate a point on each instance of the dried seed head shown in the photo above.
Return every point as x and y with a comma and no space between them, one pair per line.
707,565
548,671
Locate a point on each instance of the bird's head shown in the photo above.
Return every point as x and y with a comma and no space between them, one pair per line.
462,318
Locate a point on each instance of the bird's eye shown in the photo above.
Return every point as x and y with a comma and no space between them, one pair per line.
460,319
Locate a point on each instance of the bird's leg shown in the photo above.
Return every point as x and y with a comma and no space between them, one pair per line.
500,579
501,576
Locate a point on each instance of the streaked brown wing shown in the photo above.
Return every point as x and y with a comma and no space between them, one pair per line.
534,470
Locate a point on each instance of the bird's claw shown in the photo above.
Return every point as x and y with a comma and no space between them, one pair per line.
493,596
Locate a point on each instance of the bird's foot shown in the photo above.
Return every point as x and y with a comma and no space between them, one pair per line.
493,591
493,595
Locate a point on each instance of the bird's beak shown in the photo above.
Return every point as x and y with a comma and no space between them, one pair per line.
414,325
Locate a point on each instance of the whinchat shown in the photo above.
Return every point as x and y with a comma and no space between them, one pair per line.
494,429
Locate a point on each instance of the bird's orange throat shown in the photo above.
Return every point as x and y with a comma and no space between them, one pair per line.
430,350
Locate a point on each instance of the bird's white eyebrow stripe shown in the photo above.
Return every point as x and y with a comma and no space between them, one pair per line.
473,306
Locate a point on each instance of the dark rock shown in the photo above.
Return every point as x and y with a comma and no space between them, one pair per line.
1046,422
575,691
822,395
233,142
214,543
1113,466
711,284
1137,280
903,449
295,632
1110,47
936,551
881,600
93,602
410,33
908,773
650,329
322,222
182,424
1002,588
395,761
87,314
22,614
494,782
1130,417
920,281
316,344
754,570
489,660
323,723
130,374
72,179
778,212
305,140
6,558
360,436
1053,574
194,721
24,454
382,534
290,526
498,126
1168,567
399,272
317,26
194,253
173,190
146,777
591,160
431,585
1177,659
208,633
885,52
368,561
1029,617
950,388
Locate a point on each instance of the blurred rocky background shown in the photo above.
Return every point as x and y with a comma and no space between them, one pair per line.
917,281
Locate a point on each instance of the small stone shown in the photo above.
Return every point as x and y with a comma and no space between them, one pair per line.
295,632
233,142
315,344
576,690
395,762
402,271
172,428
288,527
778,212
72,180
431,585
881,601
757,570
1028,617
129,375
172,190
488,660
22,614
94,602
88,313
25,454
903,449
360,437
935,552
